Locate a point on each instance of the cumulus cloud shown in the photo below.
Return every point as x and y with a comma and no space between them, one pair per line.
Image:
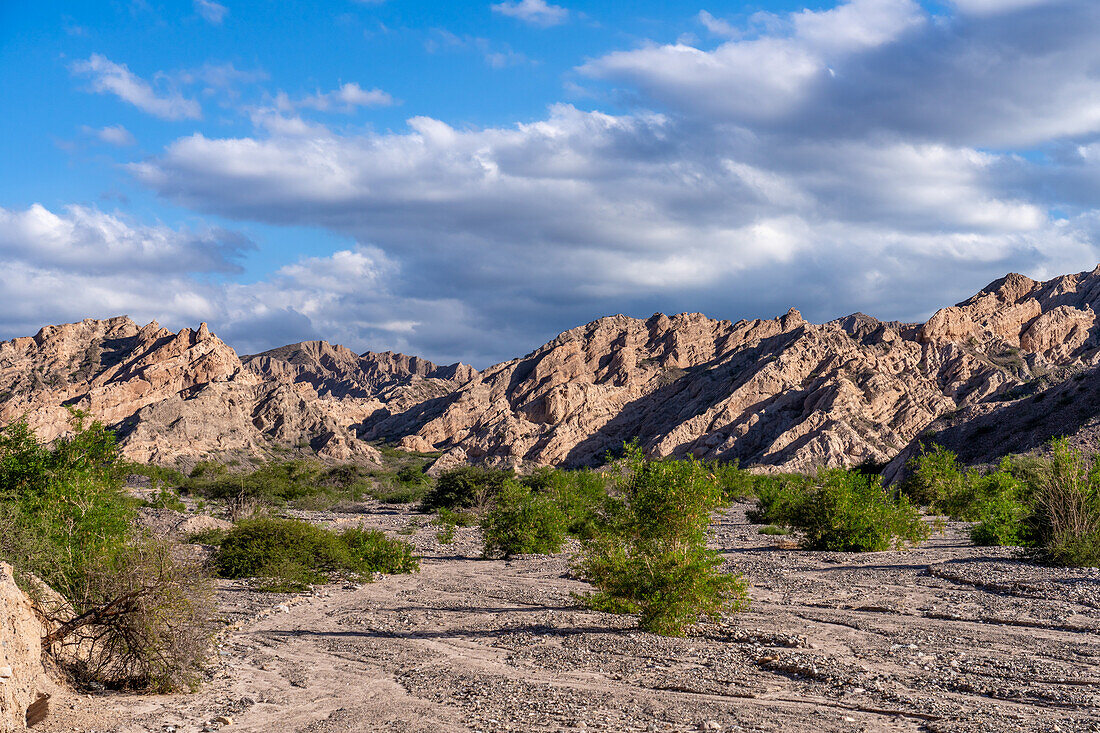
88,240
211,11
107,77
535,12
1016,78
108,265
858,157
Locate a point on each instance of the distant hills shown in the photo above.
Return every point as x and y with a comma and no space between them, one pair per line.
1002,371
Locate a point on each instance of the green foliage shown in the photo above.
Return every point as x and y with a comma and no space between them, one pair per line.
65,519
446,533
466,487
1065,523
522,521
1001,521
372,552
167,499
1051,505
289,554
650,557
846,511
214,536
459,519
735,483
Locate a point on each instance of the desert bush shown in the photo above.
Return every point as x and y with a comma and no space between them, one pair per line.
140,617
579,494
847,511
466,487
289,554
650,557
1001,521
371,551
776,497
459,519
522,521
1065,523
736,484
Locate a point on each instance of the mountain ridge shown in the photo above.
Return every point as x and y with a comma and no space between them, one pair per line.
780,393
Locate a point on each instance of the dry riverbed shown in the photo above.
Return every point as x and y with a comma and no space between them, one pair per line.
945,637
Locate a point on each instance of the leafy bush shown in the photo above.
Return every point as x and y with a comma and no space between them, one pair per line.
776,498
289,554
651,557
579,494
521,521
1001,521
372,552
846,511
1065,524
143,618
466,487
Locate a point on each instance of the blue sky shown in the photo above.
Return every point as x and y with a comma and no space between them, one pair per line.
464,180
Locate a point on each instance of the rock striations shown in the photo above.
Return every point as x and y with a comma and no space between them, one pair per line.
781,393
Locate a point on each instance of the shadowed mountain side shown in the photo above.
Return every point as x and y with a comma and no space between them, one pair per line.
985,433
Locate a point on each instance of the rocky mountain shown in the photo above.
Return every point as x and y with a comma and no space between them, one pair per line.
1020,355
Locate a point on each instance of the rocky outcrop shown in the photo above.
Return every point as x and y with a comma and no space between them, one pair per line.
22,678
187,396
778,392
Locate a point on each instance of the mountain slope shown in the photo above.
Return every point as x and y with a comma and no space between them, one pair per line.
783,392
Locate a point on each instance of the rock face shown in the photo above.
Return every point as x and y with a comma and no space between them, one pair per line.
188,395
22,677
782,393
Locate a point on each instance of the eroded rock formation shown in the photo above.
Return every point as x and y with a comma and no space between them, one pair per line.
781,392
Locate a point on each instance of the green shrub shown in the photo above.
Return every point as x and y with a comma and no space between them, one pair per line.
1001,521
466,487
776,498
520,521
735,483
579,494
371,551
459,519
846,511
167,499
650,557
446,534
289,554
65,519
1065,523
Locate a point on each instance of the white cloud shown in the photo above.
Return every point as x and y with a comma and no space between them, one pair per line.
536,12
346,98
211,11
717,26
108,77
116,135
851,158
87,240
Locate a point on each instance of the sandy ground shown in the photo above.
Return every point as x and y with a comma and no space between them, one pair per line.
946,637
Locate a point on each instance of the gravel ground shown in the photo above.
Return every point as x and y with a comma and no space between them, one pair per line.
945,637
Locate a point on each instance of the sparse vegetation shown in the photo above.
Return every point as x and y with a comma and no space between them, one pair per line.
142,618
650,557
289,554
522,521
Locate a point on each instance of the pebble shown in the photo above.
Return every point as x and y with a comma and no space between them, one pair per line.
5,672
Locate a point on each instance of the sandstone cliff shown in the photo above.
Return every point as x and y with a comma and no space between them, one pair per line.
782,392
22,677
